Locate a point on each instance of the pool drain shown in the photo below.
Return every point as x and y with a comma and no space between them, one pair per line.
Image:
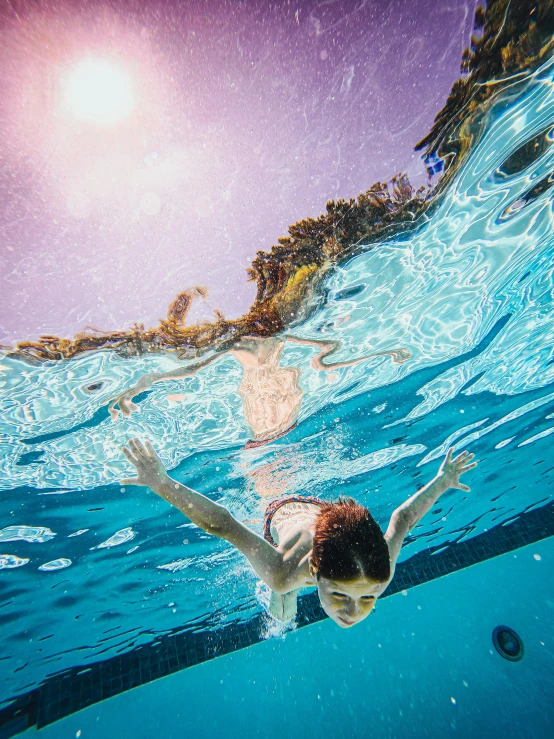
507,643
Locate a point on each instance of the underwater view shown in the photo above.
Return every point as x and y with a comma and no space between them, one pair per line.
277,368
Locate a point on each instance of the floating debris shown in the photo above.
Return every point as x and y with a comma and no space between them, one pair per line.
55,564
78,533
120,537
9,561
31,534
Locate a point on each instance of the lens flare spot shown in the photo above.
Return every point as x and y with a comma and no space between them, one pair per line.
98,91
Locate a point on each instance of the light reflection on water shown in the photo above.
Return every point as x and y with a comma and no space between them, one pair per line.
469,295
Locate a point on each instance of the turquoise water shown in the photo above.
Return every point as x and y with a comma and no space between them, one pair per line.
469,296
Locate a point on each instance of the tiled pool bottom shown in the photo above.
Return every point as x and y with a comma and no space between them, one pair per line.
69,692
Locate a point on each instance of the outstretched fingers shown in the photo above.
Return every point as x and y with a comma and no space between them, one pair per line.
463,457
130,481
127,406
112,410
468,467
138,447
129,454
149,448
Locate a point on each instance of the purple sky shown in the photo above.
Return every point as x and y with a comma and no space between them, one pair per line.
247,117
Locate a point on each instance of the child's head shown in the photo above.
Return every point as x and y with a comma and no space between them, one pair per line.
350,560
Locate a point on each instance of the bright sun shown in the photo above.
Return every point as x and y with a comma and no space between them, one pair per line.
99,92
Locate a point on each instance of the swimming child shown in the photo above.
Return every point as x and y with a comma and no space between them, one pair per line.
337,547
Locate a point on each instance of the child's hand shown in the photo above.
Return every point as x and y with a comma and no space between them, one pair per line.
151,471
399,356
451,469
125,400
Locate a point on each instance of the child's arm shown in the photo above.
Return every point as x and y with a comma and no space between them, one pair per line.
411,511
399,356
266,560
125,399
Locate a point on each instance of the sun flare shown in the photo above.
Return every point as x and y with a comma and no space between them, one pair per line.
99,92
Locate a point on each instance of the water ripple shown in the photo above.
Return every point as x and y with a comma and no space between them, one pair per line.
31,534
120,537
11,561
55,564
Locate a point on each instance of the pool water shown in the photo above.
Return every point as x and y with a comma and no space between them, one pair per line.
407,672
92,569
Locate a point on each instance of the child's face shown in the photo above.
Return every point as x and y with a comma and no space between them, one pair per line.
348,603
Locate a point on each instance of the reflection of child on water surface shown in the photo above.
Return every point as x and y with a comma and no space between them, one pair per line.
336,547
271,394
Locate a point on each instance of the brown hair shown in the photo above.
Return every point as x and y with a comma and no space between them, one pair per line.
348,543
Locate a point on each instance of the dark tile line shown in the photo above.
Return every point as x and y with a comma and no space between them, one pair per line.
78,687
